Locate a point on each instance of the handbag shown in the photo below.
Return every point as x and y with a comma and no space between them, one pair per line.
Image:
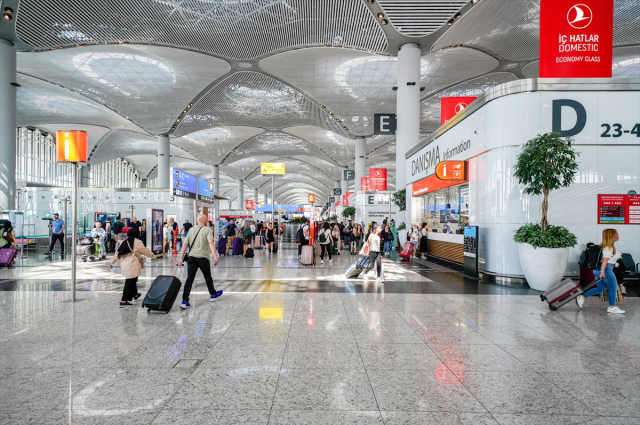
365,250
186,253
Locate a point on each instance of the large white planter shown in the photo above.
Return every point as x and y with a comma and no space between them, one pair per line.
543,267
402,235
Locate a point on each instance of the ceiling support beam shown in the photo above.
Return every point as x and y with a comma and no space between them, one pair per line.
164,149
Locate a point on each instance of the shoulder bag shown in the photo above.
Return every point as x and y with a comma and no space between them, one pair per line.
186,253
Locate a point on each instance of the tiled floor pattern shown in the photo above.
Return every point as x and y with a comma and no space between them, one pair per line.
317,358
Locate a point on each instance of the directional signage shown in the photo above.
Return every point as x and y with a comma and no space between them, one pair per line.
183,184
205,191
272,168
384,124
312,198
349,174
337,191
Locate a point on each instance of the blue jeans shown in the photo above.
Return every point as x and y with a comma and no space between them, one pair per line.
387,247
609,281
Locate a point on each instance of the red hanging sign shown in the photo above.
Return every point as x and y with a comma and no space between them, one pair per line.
576,38
431,183
345,199
364,183
249,204
450,106
378,179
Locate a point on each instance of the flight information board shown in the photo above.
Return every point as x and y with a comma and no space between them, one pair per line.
183,184
205,191
618,209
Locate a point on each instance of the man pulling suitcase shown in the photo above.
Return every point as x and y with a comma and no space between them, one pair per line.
201,246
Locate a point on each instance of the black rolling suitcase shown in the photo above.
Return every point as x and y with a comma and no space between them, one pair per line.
275,248
162,294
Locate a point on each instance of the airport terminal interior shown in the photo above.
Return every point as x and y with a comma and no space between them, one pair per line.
412,212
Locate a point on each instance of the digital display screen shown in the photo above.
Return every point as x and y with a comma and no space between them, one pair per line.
205,191
183,184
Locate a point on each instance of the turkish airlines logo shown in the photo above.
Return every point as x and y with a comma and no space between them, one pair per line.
460,106
579,16
378,173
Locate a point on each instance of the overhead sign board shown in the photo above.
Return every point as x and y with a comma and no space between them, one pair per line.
452,170
272,168
576,38
349,175
377,179
384,124
249,204
205,191
71,146
183,184
337,191
311,198
365,183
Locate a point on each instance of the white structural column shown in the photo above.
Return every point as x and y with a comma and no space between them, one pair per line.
7,125
408,112
84,175
345,183
255,195
360,161
163,162
215,177
240,194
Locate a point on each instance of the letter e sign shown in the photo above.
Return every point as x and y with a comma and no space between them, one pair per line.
384,124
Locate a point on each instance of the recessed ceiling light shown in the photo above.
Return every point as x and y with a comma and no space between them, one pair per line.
370,1
380,15
450,22
474,1
8,10
458,15
384,22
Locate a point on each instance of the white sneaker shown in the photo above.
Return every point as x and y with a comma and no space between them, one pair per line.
623,290
615,310
580,300
331,261
321,261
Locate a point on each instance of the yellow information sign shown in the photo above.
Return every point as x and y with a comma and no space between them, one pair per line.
272,168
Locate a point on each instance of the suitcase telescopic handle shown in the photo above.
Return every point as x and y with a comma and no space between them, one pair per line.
176,268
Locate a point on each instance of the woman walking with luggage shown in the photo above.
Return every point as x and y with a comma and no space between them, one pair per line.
271,238
247,235
129,253
605,272
7,238
326,242
386,237
375,258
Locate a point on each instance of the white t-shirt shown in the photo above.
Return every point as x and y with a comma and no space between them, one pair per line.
414,234
608,253
253,228
374,242
327,234
305,228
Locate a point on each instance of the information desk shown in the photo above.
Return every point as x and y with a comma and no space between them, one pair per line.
448,246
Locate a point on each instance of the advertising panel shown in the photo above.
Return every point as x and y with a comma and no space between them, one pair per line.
205,191
71,146
183,184
618,209
450,106
249,204
377,179
576,38
157,229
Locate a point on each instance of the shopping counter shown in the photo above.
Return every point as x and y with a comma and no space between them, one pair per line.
447,246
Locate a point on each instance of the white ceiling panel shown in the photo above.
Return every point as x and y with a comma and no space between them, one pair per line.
420,17
215,144
254,99
235,29
123,144
40,102
340,148
430,107
355,85
151,85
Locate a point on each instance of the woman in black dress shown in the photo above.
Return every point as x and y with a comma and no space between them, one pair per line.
270,238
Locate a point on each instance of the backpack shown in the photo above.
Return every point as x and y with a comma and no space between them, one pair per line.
248,233
231,230
117,227
300,235
322,237
591,257
249,253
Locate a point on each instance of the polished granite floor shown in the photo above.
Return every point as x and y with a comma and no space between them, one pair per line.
289,344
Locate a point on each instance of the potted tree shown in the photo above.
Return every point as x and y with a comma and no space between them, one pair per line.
400,199
547,162
348,212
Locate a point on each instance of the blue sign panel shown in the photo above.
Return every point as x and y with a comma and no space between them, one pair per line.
205,191
183,184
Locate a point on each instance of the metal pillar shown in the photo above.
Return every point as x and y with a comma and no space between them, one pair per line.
408,112
361,162
7,125
273,180
74,228
164,149
240,194
344,183
215,173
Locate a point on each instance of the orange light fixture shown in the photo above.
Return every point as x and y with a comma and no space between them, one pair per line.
71,146
452,170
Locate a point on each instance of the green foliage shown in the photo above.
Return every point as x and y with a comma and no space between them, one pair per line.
333,217
348,212
400,199
402,226
552,237
547,162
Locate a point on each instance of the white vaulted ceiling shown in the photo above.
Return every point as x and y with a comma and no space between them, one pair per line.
238,82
